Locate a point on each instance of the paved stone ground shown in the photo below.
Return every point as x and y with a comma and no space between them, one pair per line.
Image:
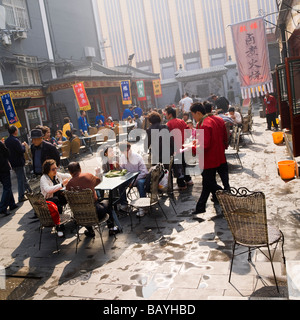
189,258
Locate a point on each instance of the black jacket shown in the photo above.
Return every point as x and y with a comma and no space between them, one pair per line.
147,145
16,150
49,151
4,163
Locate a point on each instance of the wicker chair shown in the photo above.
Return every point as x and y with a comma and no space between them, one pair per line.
40,208
247,125
153,197
82,204
65,153
75,148
245,212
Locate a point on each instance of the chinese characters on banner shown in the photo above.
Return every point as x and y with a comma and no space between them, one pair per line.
126,92
10,111
157,88
141,90
252,56
81,97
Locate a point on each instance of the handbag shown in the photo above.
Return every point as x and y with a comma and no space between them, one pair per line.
54,212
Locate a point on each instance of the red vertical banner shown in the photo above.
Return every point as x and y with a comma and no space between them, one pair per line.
252,57
81,96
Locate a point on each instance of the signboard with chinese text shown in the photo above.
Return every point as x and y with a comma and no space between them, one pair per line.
126,92
10,111
141,90
157,88
252,57
81,96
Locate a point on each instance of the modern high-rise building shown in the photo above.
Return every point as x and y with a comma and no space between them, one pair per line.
171,35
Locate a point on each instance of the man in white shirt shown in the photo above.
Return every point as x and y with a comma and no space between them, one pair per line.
133,162
235,116
186,103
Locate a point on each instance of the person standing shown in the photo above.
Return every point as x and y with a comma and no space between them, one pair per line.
83,123
183,180
7,199
157,149
17,161
128,112
42,151
221,103
100,120
215,139
139,111
270,103
67,126
186,103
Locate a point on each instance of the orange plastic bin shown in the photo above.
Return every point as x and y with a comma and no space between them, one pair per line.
287,169
277,137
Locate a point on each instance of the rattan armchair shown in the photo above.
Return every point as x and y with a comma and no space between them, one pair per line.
41,210
245,212
82,204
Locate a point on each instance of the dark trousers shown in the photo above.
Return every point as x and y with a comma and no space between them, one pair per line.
224,175
179,171
209,185
272,118
102,210
7,198
22,181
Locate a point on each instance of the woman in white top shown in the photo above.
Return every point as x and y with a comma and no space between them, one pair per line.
52,183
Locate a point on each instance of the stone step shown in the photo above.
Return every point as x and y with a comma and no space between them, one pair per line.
293,279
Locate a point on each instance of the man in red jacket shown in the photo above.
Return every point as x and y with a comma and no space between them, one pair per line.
214,145
270,103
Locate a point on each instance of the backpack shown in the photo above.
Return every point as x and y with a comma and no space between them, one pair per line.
147,184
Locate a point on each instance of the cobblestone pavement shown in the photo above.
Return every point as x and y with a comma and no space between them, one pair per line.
188,258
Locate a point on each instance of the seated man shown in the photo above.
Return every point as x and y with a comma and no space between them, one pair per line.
84,181
235,116
133,162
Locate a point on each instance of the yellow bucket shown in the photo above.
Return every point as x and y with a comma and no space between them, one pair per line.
287,169
277,137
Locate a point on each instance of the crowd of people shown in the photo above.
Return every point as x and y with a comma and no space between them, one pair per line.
209,118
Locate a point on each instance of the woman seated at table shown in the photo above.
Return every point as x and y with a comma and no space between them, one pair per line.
70,135
109,160
52,183
109,123
59,137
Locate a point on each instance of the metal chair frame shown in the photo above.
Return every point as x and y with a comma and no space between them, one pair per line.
82,204
40,207
153,195
245,212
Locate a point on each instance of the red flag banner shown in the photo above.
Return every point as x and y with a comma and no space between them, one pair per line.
252,56
81,96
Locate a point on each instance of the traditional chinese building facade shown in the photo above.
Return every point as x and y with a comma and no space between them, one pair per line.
288,73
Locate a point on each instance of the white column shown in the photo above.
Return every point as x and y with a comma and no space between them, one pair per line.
47,37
